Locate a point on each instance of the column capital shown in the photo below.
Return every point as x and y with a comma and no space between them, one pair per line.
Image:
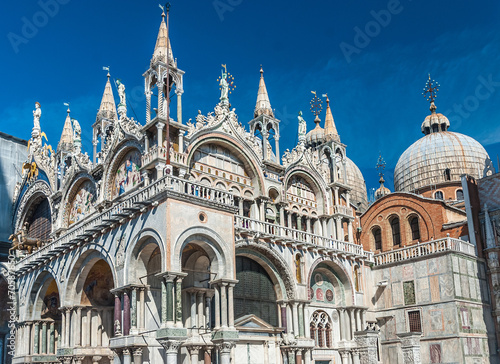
96,359
224,281
160,125
170,346
171,276
225,347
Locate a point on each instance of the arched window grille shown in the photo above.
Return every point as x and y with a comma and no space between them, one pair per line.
321,329
415,229
39,221
396,236
460,195
438,195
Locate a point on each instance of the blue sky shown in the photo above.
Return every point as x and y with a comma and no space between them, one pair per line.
374,80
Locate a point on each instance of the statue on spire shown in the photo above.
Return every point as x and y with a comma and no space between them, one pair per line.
302,129
122,106
37,113
226,83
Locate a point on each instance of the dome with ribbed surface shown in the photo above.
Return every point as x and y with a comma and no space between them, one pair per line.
440,157
356,181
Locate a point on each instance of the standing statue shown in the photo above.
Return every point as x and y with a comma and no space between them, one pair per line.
37,113
121,92
302,128
77,130
224,87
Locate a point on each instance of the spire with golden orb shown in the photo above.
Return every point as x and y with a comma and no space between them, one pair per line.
330,129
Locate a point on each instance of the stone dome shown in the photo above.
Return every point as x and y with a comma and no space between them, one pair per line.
440,157
356,181
315,136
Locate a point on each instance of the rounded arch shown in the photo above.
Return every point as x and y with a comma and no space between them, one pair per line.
80,268
342,274
245,155
70,191
313,181
121,151
141,250
211,243
41,284
37,191
275,266
273,194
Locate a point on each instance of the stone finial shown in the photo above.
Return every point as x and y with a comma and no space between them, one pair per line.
263,105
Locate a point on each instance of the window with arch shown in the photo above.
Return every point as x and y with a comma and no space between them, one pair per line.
460,195
447,174
414,227
254,293
298,268
377,237
321,329
39,222
438,195
395,229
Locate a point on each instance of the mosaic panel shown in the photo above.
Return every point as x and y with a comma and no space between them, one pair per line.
83,202
127,175
409,292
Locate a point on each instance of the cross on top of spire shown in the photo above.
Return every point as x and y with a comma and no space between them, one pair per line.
431,89
316,104
380,166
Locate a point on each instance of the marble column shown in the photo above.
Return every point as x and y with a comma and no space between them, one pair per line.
36,338
301,319
223,298
342,327
100,314
172,349
52,338
207,357
44,337
230,304
194,354
349,231
359,326
240,206
126,313
137,355
179,107
117,319
352,321
127,358
344,356
200,302
159,135
142,310
208,306
88,337
355,356
283,317
178,301
78,327
325,227
295,319
133,314
338,229
170,300
68,326
217,306
225,352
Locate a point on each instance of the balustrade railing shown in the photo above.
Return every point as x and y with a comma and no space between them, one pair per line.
155,152
282,232
144,196
344,210
423,249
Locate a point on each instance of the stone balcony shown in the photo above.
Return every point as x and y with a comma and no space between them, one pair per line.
157,154
136,202
301,239
425,249
343,210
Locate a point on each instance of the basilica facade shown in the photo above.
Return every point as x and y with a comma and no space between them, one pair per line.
199,242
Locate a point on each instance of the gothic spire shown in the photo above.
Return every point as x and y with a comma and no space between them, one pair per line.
163,43
330,129
108,108
263,105
66,141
